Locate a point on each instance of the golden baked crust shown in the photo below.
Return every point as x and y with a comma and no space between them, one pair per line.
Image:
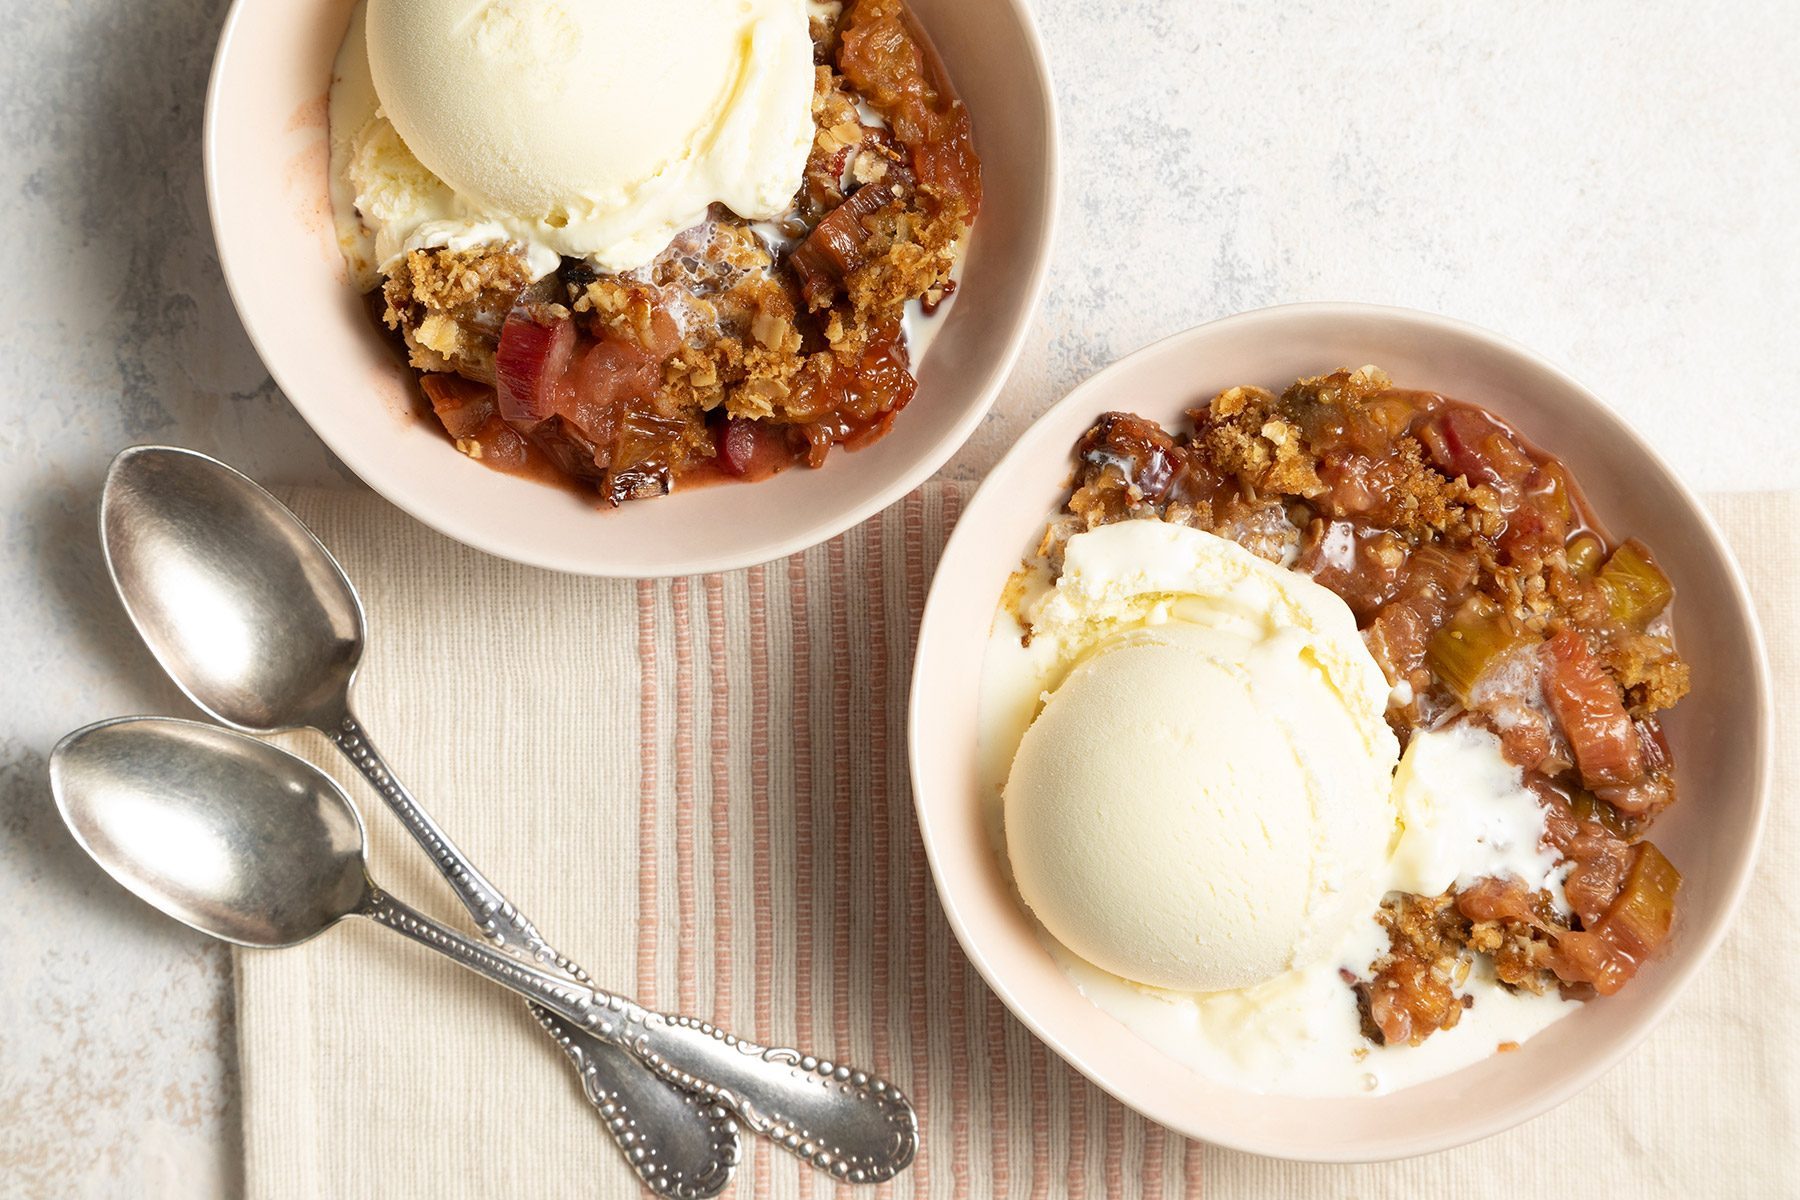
1414,990
445,302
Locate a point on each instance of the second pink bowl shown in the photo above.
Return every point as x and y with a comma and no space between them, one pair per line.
1722,733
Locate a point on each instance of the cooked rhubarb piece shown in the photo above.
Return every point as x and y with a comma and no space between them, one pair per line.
610,376
1364,564
1590,708
1398,637
644,453
1439,571
1598,854
591,406
537,396
839,243
1658,757
738,442
1641,798
1539,522
1470,644
1636,589
646,442
469,414
1583,957
1435,581
868,400
1609,953
882,383
462,405
1550,489
887,57
1134,458
1497,900
1641,917
844,400
1407,1003
1333,417
1588,806
533,357
1468,443
1635,803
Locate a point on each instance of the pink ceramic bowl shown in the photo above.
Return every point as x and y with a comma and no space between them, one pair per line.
1722,733
266,153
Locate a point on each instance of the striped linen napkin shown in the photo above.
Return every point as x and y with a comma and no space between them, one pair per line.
698,788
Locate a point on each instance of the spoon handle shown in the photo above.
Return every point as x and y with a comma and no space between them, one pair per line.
847,1122
494,914
681,1142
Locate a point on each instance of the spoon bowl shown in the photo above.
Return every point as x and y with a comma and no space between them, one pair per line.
243,607
231,836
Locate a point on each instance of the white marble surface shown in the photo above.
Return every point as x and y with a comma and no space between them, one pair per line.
1613,183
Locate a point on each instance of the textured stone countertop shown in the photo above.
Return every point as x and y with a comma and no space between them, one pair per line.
1612,183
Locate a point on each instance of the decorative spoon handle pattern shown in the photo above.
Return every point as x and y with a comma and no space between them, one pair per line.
494,914
855,1126
681,1142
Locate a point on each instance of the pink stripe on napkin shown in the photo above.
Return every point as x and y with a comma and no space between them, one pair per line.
650,879
817,753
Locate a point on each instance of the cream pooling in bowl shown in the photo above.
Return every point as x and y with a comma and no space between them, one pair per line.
1458,809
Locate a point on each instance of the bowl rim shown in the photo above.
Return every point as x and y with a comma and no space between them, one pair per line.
938,608
364,463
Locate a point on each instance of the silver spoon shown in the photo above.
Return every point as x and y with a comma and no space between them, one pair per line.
256,622
248,843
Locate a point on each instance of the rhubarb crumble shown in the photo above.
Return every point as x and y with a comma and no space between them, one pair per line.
1489,597
744,347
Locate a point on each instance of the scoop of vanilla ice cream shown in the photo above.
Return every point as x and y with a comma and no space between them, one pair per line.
584,129
1204,801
